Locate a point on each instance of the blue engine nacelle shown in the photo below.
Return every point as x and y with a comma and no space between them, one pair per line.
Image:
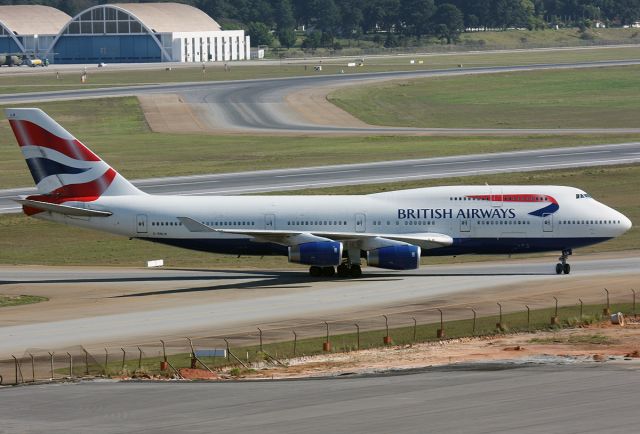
319,253
405,257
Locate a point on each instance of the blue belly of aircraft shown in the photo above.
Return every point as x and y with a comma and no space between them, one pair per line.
460,245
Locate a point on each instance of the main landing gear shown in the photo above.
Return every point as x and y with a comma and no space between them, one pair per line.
563,266
343,270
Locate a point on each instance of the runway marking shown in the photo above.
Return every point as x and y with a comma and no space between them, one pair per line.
423,176
179,183
317,173
452,162
572,153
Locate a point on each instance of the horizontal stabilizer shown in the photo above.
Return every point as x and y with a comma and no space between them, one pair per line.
63,209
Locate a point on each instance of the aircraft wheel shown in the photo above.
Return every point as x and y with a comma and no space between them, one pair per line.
566,268
343,270
328,271
559,268
355,271
315,271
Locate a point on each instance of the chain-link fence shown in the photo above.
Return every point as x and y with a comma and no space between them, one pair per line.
271,344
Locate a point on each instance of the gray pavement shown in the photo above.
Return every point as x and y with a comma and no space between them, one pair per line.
177,303
586,398
373,173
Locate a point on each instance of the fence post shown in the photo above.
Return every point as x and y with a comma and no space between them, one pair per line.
554,318
15,361
192,355
607,310
387,338
295,342
106,361
581,309
500,326
164,365
70,365
33,369
357,336
140,358
260,331
124,355
528,317
326,346
86,361
633,308
440,331
51,363
415,329
473,331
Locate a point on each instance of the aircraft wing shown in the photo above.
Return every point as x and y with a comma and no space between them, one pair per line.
427,240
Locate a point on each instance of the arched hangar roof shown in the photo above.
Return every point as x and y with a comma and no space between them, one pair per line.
170,17
32,19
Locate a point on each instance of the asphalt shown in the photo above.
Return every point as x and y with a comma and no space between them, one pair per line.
373,173
132,306
495,398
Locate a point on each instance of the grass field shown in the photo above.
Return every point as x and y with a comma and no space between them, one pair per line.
30,241
39,81
18,300
115,128
579,98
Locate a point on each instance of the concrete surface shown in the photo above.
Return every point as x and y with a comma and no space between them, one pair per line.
114,307
591,398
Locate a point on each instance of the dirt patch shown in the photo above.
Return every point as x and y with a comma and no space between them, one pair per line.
197,374
564,346
168,113
312,106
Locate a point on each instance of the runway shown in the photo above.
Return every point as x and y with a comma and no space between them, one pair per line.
590,398
373,173
111,306
258,106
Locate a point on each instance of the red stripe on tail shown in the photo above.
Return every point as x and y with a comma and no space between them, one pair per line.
87,192
30,134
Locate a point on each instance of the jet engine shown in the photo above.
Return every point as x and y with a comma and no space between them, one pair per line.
318,253
402,257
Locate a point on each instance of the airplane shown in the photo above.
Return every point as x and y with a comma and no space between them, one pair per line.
330,234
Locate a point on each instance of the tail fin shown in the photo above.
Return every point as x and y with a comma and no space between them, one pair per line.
62,167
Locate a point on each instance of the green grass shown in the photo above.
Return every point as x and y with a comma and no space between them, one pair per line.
38,81
515,322
116,130
579,98
17,300
30,241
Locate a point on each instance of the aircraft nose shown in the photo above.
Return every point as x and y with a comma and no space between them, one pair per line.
626,223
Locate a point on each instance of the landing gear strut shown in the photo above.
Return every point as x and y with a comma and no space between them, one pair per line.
563,266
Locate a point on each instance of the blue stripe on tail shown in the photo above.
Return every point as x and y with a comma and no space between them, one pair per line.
42,167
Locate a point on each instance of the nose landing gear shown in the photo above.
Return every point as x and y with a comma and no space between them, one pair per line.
563,266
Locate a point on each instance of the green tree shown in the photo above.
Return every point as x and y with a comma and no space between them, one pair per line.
260,34
287,37
448,21
416,16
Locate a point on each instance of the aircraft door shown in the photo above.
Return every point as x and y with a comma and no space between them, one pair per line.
361,222
269,222
465,225
547,222
141,223
496,197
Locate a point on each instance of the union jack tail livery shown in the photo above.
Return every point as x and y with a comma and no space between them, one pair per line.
63,168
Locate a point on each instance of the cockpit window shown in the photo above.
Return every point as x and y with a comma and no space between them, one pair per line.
582,196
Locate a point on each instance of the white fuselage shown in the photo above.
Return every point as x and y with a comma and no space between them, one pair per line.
480,219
